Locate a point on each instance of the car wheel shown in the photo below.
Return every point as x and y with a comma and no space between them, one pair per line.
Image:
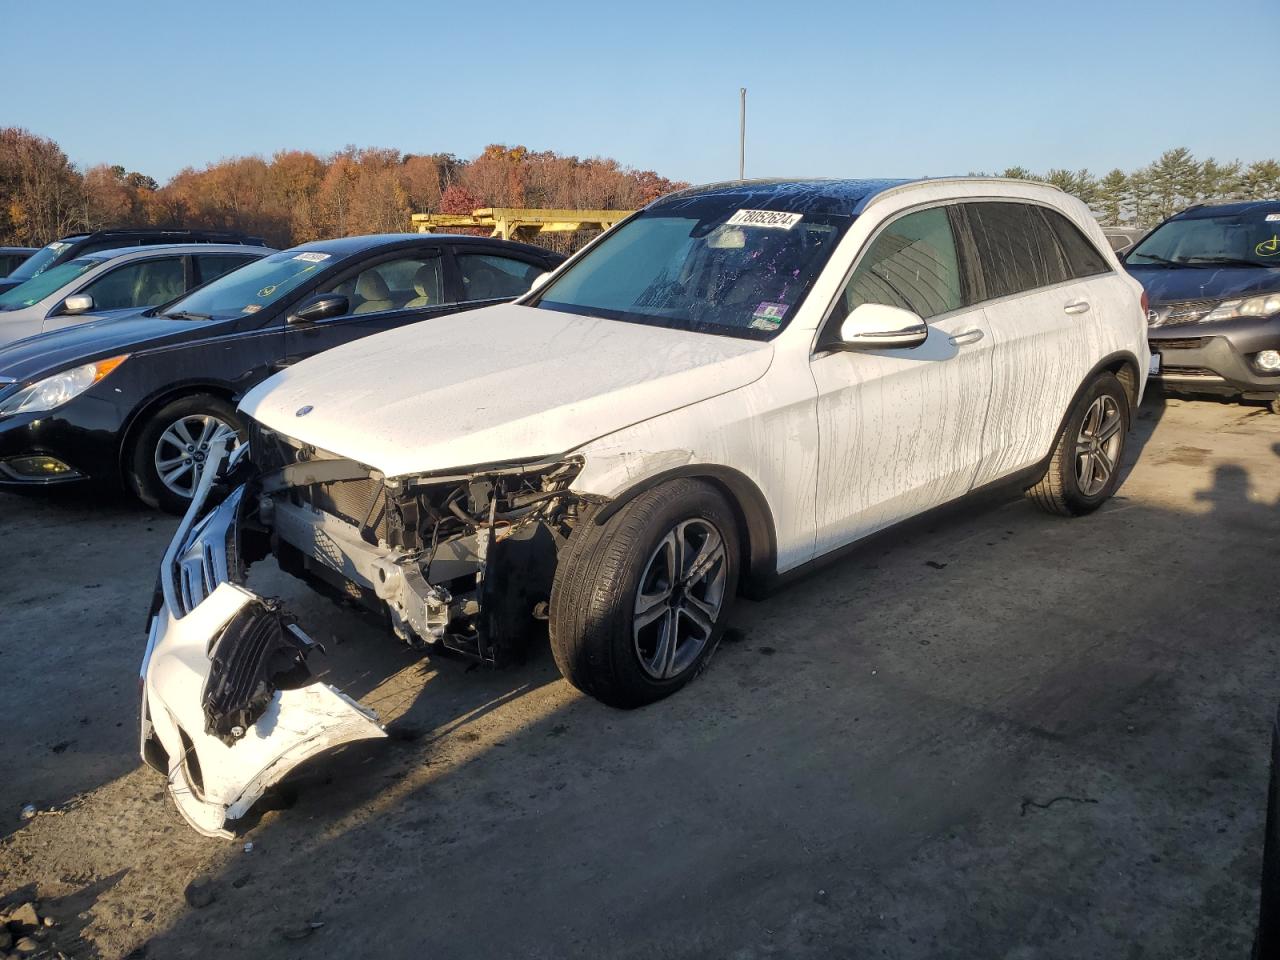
169,454
639,603
1085,467
1274,403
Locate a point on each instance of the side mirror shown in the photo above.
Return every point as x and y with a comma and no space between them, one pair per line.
540,281
321,307
876,326
77,303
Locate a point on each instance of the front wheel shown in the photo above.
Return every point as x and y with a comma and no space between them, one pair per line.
1085,468
639,603
169,454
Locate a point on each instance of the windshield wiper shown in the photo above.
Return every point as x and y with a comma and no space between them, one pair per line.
188,315
1152,256
1228,261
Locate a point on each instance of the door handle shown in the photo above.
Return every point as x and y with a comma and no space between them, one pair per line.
1076,306
966,336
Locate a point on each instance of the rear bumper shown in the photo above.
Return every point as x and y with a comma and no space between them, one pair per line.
223,714
1212,364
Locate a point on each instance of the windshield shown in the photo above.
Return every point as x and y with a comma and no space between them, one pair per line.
251,287
703,264
35,290
1241,239
39,261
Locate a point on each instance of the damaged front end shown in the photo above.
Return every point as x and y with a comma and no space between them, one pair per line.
228,704
462,562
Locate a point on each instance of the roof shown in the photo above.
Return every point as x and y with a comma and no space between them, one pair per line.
848,197
152,249
18,249
346,246
230,235
792,196
1204,210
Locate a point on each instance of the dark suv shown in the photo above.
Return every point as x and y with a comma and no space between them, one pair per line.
77,244
1212,276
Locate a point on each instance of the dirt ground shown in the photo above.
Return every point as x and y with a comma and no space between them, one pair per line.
993,734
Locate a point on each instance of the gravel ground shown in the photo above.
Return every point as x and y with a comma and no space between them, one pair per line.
993,733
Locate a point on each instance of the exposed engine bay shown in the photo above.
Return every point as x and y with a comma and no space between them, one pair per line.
464,561
461,562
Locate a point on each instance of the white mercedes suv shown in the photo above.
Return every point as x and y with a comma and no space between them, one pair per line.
736,382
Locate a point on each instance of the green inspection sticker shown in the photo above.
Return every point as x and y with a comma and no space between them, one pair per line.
768,316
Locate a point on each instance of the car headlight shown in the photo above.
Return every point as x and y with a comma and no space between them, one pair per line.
1263,306
56,390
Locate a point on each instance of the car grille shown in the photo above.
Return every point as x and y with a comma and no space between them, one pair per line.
1186,311
1187,343
1200,372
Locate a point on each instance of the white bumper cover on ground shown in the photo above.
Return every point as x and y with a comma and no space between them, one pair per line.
210,781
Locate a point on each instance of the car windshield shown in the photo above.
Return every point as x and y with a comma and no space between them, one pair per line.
1240,239
252,287
37,288
703,264
39,261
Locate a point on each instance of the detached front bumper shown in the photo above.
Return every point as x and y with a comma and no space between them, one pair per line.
226,711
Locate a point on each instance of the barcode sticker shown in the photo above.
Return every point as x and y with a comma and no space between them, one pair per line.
773,219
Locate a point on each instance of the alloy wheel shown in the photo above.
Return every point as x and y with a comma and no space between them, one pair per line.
1098,445
679,598
183,448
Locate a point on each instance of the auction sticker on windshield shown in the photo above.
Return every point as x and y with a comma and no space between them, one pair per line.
312,257
772,219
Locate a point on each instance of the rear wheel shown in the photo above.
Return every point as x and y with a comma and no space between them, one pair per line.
639,603
1085,468
169,455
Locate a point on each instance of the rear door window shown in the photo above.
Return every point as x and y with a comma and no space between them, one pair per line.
487,276
1016,248
210,266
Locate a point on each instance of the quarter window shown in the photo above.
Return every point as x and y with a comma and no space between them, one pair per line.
489,277
911,264
145,284
1083,258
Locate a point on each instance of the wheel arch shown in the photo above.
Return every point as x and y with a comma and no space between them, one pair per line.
143,411
755,522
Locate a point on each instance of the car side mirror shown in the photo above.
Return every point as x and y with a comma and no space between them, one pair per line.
321,307
877,326
77,303
540,281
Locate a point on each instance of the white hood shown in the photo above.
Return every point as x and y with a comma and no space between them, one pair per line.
501,383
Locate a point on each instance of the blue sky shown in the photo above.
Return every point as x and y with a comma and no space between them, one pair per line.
840,89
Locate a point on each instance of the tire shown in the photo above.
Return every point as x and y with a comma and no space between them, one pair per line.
1067,488
1274,404
598,590
155,442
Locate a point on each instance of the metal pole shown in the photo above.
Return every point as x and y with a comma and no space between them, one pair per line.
742,133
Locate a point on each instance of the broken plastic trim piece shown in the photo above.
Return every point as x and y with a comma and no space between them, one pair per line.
210,781
259,651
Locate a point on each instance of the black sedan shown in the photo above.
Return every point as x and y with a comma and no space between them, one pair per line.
137,401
